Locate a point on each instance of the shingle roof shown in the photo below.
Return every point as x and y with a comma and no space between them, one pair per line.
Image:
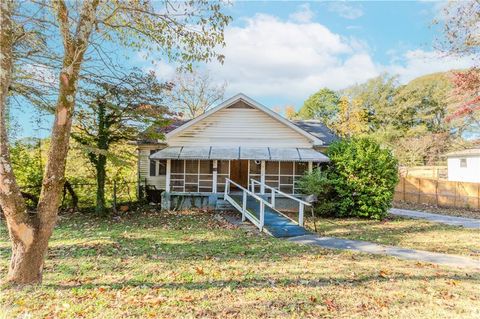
317,129
173,125
143,139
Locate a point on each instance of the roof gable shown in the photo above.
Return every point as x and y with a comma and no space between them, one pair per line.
241,101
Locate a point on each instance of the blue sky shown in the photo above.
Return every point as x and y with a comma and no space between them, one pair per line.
280,52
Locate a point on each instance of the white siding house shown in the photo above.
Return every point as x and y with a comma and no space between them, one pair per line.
240,125
239,140
464,166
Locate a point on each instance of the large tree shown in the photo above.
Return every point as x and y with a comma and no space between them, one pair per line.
422,104
322,105
182,31
193,93
117,111
461,38
352,118
417,121
375,97
400,116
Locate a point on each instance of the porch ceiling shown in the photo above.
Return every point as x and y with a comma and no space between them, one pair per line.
235,153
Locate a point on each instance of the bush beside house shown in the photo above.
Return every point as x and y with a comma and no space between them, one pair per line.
359,182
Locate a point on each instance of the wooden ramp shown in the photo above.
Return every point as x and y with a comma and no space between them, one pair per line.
263,214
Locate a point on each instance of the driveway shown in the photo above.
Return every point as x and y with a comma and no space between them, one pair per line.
437,218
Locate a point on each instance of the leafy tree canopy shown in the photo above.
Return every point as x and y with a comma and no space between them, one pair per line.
413,119
322,105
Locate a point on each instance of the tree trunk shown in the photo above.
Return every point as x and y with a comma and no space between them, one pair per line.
67,187
21,227
101,160
30,234
101,177
26,263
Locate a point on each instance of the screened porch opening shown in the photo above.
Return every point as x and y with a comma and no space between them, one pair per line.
191,176
284,175
208,176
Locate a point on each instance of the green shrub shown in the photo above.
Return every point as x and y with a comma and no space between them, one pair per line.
360,180
319,183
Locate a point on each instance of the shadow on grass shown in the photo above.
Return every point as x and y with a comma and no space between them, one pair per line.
262,282
241,247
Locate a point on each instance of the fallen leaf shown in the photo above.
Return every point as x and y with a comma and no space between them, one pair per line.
331,305
384,273
154,300
199,271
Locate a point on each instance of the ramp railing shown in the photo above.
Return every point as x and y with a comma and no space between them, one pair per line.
246,214
274,191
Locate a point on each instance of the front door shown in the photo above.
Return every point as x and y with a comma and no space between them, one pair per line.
239,172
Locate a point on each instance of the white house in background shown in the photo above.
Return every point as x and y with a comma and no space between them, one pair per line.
240,139
464,166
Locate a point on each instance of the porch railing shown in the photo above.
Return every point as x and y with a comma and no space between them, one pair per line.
274,191
246,214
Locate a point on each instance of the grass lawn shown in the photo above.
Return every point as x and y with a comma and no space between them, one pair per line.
165,265
404,232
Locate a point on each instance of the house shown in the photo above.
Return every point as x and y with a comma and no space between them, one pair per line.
464,166
241,140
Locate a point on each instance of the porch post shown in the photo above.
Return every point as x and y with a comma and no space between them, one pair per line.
214,177
310,167
167,179
262,178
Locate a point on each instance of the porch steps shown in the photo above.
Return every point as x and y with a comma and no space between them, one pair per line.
276,224
223,205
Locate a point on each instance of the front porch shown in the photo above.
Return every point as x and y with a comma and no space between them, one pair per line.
208,176
197,175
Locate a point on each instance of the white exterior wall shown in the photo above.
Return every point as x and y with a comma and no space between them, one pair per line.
246,127
471,173
144,167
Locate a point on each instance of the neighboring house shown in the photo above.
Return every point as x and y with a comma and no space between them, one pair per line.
239,139
464,166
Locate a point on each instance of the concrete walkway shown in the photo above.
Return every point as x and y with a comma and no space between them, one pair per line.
372,248
437,218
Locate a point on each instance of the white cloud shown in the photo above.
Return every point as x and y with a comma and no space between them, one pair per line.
271,57
163,70
303,15
345,10
415,63
288,61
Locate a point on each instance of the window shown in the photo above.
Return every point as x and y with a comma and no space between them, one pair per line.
255,167
284,175
177,167
191,176
223,172
162,167
157,167
153,165
271,168
301,168
463,162
255,170
177,176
